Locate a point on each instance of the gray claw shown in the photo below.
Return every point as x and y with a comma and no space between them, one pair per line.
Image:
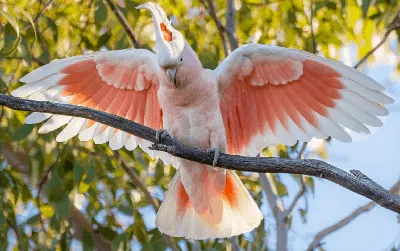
161,134
216,152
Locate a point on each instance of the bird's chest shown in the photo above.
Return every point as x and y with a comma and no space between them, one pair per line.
192,120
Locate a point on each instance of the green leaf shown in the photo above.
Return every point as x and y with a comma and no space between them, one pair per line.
126,210
303,214
53,28
78,173
29,17
32,220
83,187
47,211
55,190
11,20
281,189
8,34
318,6
64,242
87,241
343,3
26,193
23,49
156,242
107,232
11,41
100,12
22,132
365,6
90,173
2,221
103,39
310,182
63,206
3,86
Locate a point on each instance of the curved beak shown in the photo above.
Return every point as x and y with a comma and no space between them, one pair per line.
171,73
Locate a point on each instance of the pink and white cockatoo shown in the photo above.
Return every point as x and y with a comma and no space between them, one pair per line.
258,96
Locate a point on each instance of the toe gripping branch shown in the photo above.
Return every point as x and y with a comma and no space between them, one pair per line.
161,134
216,152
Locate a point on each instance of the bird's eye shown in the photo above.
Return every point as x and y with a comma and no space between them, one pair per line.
181,59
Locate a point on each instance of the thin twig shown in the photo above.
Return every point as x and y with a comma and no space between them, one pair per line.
44,178
346,220
136,181
41,182
303,148
311,167
221,29
297,197
314,44
80,222
124,22
302,185
139,184
38,15
235,243
274,203
17,235
393,26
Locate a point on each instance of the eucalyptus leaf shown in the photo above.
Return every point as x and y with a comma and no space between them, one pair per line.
22,132
100,11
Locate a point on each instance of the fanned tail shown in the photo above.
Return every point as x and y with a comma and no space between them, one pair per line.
227,214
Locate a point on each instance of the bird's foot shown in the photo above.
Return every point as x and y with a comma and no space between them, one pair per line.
216,152
161,135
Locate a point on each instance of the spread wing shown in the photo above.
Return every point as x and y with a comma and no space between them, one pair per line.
272,95
123,83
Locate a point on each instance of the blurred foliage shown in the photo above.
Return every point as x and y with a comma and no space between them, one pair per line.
40,180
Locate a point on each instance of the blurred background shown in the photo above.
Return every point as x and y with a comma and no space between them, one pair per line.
82,196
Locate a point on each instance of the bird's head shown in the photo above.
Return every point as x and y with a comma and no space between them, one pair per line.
174,54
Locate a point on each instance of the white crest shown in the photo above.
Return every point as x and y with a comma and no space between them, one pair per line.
169,42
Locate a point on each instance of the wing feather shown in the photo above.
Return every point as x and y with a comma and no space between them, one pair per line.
124,83
272,95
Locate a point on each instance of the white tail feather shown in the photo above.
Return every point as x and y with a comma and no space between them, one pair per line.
181,220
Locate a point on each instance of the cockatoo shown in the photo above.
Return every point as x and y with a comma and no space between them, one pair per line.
258,96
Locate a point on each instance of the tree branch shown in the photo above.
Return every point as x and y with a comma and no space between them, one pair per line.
303,186
273,201
221,29
139,184
314,44
296,198
230,24
79,222
393,26
343,222
235,243
311,167
44,178
277,209
121,18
